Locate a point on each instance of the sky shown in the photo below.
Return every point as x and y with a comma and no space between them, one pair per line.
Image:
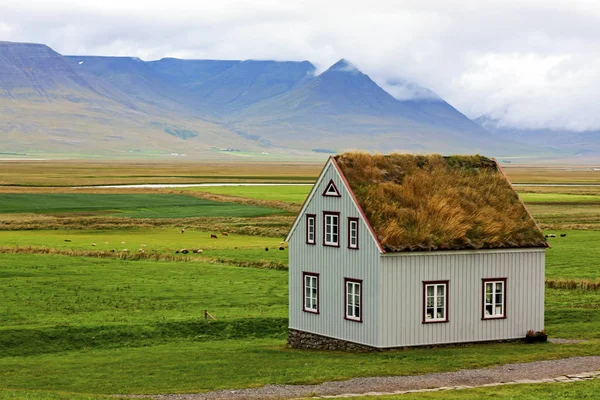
529,63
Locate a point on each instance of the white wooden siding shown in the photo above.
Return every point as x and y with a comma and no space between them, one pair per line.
402,296
333,264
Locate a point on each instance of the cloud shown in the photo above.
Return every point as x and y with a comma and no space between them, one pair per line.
529,63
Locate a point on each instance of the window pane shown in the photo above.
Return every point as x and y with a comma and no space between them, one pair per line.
498,287
357,311
500,310
430,301
349,310
430,313
499,298
488,309
489,287
429,290
440,301
440,290
488,298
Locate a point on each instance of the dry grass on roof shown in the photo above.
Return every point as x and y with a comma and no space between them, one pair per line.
439,203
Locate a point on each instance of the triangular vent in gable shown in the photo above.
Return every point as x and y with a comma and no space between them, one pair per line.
331,190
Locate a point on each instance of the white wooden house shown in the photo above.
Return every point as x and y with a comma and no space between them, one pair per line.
402,250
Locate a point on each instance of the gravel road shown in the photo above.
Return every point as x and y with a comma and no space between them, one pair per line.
526,372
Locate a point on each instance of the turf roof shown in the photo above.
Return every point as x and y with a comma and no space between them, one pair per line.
432,202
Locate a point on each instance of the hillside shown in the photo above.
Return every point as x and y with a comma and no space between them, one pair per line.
123,106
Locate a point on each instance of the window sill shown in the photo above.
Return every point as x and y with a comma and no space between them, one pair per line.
310,311
488,318
331,244
347,318
436,321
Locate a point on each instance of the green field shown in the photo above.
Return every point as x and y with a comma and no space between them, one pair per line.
81,327
126,205
289,194
88,325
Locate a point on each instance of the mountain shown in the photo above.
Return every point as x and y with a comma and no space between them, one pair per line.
343,108
123,106
51,105
559,141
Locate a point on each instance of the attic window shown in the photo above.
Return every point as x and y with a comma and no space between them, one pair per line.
331,190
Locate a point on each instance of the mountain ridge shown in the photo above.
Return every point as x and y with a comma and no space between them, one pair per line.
120,105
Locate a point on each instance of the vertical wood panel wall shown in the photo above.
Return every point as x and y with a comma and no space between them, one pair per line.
333,265
402,296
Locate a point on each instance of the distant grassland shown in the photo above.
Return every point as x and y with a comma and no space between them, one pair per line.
126,205
85,172
289,194
94,172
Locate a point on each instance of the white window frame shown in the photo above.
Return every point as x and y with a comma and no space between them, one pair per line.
352,233
311,218
493,302
353,303
310,292
439,301
328,228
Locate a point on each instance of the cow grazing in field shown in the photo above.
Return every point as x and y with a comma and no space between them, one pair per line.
182,230
184,251
67,240
563,235
213,236
93,244
224,234
281,248
197,251
552,235
266,249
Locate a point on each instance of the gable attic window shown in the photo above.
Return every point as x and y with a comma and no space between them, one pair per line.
331,190
435,301
311,292
311,229
494,298
352,233
331,228
353,299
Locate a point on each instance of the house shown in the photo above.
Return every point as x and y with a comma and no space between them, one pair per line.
403,250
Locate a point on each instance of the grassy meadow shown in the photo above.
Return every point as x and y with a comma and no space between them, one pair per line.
80,318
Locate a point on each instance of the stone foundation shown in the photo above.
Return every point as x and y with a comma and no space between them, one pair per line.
306,340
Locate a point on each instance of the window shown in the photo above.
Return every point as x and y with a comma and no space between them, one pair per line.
353,298
353,233
435,305
331,228
331,190
494,298
311,292
311,225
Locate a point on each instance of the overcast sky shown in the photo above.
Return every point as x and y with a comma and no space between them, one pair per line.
529,63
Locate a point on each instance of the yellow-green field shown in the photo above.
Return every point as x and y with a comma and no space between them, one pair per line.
87,310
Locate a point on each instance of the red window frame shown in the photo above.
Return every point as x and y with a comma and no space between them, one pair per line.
314,218
308,310
350,220
360,299
339,233
483,282
446,302
337,192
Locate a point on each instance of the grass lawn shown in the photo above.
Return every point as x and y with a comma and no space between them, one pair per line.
290,194
576,256
126,205
552,391
234,247
559,198
107,326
